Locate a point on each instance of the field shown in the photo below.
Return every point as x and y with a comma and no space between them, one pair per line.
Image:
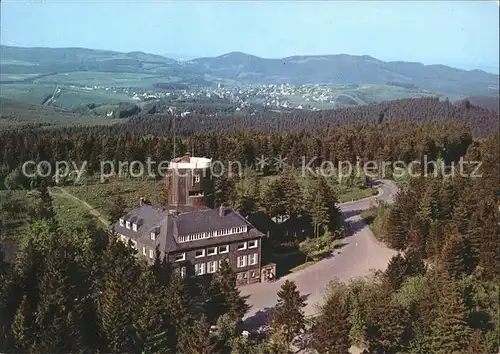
16,114
27,93
106,79
69,214
100,195
74,97
352,95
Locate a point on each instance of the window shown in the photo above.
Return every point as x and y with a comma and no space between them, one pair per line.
224,249
212,267
242,246
222,261
212,251
242,261
182,239
180,257
199,253
151,254
252,259
122,222
128,225
153,236
134,227
144,251
196,178
252,244
183,272
199,268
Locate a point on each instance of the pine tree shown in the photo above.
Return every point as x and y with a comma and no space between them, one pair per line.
396,231
331,331
116,305
198,339
23,327
42,209
224,295
288,315
456,256
414,262
387,325
449,331
396,271
150,320
116,209
55,315
178,305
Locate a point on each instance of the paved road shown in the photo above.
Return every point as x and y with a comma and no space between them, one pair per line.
360,254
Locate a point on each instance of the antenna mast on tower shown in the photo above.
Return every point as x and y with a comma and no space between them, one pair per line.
171,110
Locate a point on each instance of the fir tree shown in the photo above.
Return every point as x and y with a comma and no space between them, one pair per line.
449,331
56,317
23,327
387,325
396,271
225,296
198,339
178,306
288,315
331,331
116,209
456,256
116,303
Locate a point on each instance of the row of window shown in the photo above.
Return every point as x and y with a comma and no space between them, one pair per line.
212,251
209,234
209,267
244,275
250,259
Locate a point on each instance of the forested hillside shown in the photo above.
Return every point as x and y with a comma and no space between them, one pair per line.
480,120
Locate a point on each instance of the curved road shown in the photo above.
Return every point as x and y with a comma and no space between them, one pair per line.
360,253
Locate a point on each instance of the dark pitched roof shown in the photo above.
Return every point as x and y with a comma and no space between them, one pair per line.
167,226
208,220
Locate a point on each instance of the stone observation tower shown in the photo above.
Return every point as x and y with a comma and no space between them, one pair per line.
189,183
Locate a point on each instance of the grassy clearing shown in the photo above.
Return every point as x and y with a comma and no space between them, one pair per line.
100,195
98,78
69,214
29,93
17,114
75,97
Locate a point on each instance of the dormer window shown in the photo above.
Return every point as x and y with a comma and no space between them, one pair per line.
153,236
128,225
134,226
122,222
196,179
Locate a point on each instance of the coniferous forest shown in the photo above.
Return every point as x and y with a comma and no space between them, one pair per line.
89,293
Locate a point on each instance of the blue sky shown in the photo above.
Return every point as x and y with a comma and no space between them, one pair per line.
463,34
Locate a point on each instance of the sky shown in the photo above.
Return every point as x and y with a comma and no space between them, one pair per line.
458,33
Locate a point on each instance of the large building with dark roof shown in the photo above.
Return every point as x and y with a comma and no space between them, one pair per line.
193,237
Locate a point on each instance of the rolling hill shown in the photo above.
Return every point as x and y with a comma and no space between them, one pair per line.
28,64
347,69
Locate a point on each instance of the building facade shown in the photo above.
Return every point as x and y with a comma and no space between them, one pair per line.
195,241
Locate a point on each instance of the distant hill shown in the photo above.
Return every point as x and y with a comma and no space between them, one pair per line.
347,69
18,60
18,63
487,102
